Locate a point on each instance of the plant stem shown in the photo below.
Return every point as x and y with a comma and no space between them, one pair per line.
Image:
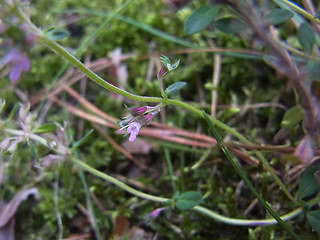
118,183
246,179
170,169
97,79
301,11
199,209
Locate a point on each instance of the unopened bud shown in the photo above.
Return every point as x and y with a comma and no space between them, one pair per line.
137,111
147,118
162,72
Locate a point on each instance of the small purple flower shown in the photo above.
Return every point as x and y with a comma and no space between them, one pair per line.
133,130
18,62
155,213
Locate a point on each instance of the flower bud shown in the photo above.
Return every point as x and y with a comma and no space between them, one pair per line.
137,111
155,213
162,72
147,118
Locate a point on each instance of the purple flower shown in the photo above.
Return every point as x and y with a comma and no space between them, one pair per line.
133,130
155,213
18,62
138,117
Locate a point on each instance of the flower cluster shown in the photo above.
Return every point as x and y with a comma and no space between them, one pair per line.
26,131
138,117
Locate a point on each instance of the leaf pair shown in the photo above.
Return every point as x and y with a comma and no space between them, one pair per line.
201,18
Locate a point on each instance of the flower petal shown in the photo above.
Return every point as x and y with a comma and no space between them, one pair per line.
133,136
15,73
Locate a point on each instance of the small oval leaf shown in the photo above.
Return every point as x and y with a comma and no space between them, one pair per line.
314,220
278,16
188,200
306,37
307,183
54,34
45,128
313,68
200,19
174,88
292,117
230,25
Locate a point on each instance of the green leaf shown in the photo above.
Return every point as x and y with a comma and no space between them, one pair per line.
13,111
49,29
45,128
188,200
82,140
292,117
306,37
175,195
33,151
314,220
307,183
54,34
317,15
174,88
313,68
231,25
200,19
278,16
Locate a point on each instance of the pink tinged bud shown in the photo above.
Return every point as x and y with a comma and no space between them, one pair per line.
133,130
137,111
147,118
155,213
304,150
162,72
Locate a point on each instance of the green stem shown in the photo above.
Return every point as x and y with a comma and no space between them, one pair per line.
89,201
199,209
170,169
301,11
118,183
97,79
246,179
